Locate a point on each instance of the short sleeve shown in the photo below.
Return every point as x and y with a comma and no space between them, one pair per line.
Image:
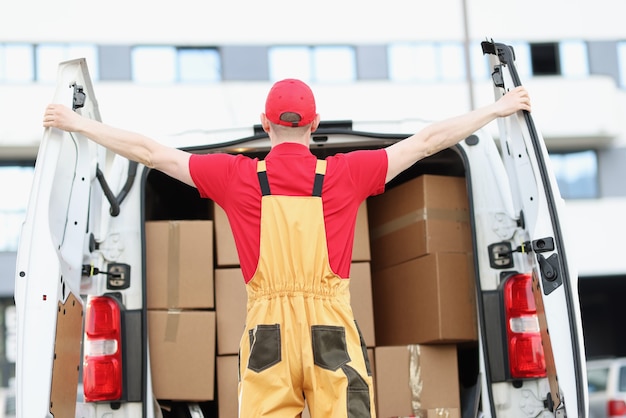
211,173
368,171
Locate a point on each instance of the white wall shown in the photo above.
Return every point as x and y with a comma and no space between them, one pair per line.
569,113
321,21
597,231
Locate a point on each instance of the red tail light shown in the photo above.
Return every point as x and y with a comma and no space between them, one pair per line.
616,408
102,366
526,357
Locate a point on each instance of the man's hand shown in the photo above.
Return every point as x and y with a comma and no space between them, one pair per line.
512,101
61,117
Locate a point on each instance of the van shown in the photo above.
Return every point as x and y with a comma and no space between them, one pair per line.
83,266
607,387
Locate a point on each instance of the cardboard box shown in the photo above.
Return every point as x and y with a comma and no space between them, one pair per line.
425,215
362,301
430,299
179,264
226,250
400,369
227,385
182,354
361,249
231,298
230,308
440,413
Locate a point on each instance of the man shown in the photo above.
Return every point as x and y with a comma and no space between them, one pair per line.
293,219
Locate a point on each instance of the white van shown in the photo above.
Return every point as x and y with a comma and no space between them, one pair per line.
84,240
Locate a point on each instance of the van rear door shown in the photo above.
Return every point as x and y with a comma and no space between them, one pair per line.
53,239
538,205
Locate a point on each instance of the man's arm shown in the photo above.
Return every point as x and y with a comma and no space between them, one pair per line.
443,134
134,146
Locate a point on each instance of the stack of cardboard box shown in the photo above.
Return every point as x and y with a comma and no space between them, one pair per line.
412,294
231,297
180,302
424,301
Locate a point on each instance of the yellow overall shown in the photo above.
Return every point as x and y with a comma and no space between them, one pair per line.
301,340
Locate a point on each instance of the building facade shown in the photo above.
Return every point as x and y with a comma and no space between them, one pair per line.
197,67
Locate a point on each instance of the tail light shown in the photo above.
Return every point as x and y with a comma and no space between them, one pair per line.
102,366
616,408
526,356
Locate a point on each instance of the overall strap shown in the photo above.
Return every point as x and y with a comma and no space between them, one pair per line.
320,171
263,182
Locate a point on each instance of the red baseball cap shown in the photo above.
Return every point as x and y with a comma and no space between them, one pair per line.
290,96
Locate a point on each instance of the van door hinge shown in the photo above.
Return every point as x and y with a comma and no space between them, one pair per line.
550,277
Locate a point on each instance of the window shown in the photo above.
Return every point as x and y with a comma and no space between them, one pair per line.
621,59
576,174
334,64
16,63
169,64
198,64
48,57
622,379
413,62
479,62
596,379
427,62
154,64
545,58
290,62
15,181
574,61
313,64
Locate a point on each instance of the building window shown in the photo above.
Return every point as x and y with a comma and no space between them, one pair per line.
48,57
16,63
15,181
479,62
198,65
153,64
576,174
427,62
574,59
333,64
327,64
413,62
169,64
621,63
545,58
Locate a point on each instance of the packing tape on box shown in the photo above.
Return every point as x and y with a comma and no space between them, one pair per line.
422,214
173,264
415,380
171,324
442,413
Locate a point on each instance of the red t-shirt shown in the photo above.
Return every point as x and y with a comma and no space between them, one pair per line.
231,181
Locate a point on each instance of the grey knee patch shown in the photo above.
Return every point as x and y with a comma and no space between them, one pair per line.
358,394
366,357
